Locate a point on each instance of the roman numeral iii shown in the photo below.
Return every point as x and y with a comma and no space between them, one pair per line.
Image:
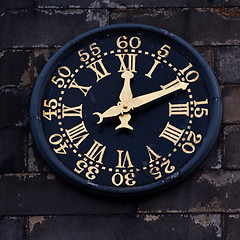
172,133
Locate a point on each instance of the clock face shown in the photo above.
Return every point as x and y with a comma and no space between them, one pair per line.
126,109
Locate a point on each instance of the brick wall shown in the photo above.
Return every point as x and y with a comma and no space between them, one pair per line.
36,204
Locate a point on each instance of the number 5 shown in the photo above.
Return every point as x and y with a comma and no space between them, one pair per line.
95,50
163,52
84,56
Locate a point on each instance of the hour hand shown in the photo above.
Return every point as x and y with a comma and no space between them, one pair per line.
126,92
121,109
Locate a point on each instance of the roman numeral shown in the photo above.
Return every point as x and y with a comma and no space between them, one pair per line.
99,69
171,84
71,111
172,133
149,74
122,161
128,64
83,89
77,133
152,155
178,109
95,153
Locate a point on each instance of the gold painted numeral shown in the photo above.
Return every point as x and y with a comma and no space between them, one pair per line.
172,133
152,154
71,111
83,89
134,42
155,171
57,139
118,179
99,69
52,105
96,152
189,147
81,165
91,173
171,84
199,112
122,162
149,74
191,76
128,64
79,133
94,49
178,109
164,51
63,72
168,169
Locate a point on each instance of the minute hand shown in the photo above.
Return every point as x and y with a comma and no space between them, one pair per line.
149,97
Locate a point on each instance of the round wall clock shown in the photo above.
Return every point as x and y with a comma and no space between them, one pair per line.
126,109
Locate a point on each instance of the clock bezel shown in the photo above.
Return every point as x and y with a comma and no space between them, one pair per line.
59,168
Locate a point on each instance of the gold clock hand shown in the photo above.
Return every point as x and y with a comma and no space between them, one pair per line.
116,111
126,92
123,108
124,119
125,95
111,112
141,100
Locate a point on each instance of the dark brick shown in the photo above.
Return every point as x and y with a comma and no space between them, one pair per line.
13,151
35,162
231,103
15,68
214,159
231,147
205,3
211,191
127,227
14,107
44,194
16,4
232,3
207,53
227,64
122,4
40,58
200,27
231,227
47,28
13,228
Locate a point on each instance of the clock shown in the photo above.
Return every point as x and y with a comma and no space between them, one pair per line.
125,109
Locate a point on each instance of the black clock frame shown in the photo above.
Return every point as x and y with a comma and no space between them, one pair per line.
58,167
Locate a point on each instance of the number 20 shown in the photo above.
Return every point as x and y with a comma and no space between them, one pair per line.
189,147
